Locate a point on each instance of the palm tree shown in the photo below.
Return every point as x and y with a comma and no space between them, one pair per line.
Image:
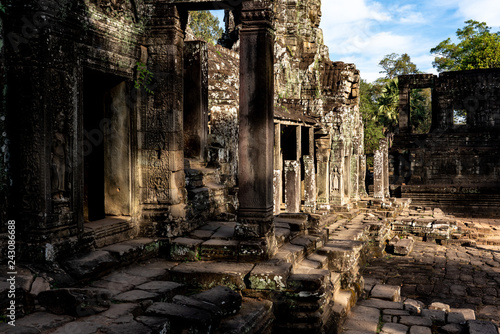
388,103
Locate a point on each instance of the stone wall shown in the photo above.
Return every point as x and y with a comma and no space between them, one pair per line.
455,166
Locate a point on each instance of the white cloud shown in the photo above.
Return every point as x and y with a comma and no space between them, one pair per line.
481,10
340,11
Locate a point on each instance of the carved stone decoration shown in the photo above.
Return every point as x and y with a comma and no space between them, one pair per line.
58,166
116,8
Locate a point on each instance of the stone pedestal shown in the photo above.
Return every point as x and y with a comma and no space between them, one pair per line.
309,184
256,129
292,186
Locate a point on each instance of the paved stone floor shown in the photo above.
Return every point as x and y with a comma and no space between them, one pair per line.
462,277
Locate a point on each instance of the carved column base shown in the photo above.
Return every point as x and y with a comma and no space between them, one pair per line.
256,228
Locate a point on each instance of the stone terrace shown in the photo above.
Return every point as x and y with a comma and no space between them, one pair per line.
203,282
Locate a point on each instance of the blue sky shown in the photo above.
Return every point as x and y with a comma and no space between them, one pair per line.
364,31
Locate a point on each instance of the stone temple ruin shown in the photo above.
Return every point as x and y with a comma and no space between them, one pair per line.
200,188
455,165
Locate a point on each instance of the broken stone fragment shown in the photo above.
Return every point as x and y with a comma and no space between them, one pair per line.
75,302
413,306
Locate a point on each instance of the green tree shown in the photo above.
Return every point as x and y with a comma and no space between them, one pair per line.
368,108
478,48
205,26
388,106
394,64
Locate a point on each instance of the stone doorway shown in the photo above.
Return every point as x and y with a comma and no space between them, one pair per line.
106,146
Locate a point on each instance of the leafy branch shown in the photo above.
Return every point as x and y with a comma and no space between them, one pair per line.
144,79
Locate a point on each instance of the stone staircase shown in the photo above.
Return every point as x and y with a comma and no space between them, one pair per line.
313,280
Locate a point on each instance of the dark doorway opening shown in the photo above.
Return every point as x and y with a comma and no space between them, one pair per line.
106,146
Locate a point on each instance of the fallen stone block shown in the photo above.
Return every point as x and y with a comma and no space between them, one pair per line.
75,302
91,264
386,292
404,246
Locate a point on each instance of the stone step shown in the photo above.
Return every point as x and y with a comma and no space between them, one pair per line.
110,230
298,222
344,301
99,262
206,275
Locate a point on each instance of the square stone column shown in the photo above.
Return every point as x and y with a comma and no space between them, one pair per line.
195,99
339,179
278,168
384,147
292,186
309,184
362,176
256,127
323,145
161,136
378,176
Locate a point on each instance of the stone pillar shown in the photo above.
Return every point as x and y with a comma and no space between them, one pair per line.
256,130
195,99
323,145
298,141
292,186
355,176
161,137
378,174
404,108
309,184
278,168
385,155
277,184
338,179
362,176
311,142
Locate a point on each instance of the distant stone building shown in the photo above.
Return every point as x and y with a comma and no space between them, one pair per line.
115,121
456,165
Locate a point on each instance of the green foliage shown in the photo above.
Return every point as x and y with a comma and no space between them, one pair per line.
388,106
478,48
205,26
145,78
368,108
2,8
394,64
